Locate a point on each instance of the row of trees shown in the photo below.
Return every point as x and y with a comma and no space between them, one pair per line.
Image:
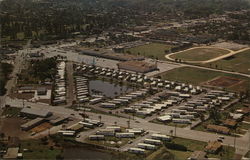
5,70
61,18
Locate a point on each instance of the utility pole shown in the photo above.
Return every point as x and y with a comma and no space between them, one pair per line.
235,139
128,123
175,130
23,103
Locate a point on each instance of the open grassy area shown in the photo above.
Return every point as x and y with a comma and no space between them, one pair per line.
193,145
38,150
152,50
160,154
199,54
11,111
239,63
118,142
196,76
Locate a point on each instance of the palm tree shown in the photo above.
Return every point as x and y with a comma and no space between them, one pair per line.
100,118
215,115
171,132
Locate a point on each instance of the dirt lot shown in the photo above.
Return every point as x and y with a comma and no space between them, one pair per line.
199,54
25,96
230,45
11,127
223,81
41,127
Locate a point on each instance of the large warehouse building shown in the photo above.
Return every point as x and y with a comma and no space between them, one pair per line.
137,66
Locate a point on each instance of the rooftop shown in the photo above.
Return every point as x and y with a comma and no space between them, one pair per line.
37,112
213,146
12,153
218,128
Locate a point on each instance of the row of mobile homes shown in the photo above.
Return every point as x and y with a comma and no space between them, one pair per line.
161,137
125,135
60,85
146,146
152,141
137,150
96,137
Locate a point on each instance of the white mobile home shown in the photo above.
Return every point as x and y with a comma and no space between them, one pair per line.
136,150
115,128
153,141
183,121
146,146
161,137
125,135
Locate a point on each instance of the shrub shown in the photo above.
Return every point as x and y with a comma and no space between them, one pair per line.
175,146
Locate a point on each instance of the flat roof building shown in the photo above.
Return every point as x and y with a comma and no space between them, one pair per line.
31,124
218,129
137,66
213,147
35,112
12,153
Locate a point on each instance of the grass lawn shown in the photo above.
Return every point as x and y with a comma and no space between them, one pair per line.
152,50
199,54
238,62
160,154
37,150
20,35
248,154
11,111
193,145
244,126
196,76
118,141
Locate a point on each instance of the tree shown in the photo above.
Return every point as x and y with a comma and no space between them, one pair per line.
171,132
215,115
100,118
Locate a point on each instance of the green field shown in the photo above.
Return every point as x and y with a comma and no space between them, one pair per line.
152,50
196,76
193,145
11,111
239,63
37,150
199,54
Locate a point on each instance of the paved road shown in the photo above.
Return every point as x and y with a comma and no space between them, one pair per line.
18,62
70,83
